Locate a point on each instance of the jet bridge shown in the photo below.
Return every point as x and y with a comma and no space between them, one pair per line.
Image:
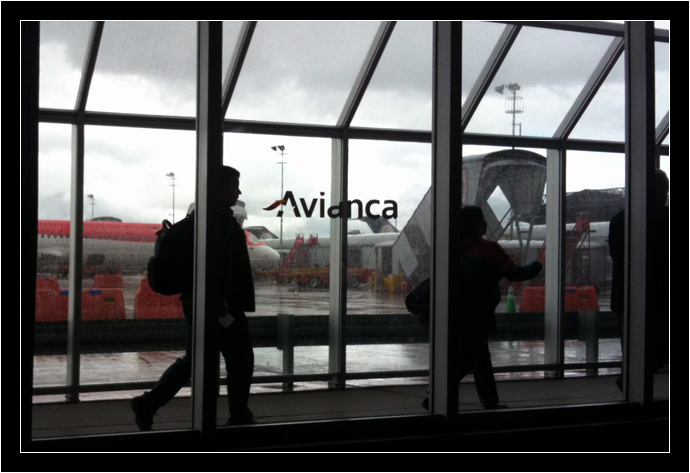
520,176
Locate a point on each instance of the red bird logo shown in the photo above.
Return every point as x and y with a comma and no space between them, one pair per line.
276,204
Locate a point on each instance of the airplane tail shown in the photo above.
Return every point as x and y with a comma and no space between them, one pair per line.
379,225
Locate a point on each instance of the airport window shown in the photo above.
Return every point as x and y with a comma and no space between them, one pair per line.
595,192
289,249
387,257
508,186
50,358
317,111
134,191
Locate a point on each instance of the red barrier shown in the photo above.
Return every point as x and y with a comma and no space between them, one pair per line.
102,304
576,298
533,299
588,298
572,301
51,305
97,304
47,284
151,305
108,280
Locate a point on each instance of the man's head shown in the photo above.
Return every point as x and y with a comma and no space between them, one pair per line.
230,186
661,185
472,223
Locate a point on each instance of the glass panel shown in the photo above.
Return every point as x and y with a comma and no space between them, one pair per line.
661,378
399,94
300,72
50,338
604,118
662,77
594,194
63,52
478,41
133,180
289,328
388,254
146,67
539,80
507,341
231,34
129,335
662,80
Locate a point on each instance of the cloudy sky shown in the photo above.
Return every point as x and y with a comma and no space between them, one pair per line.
301,72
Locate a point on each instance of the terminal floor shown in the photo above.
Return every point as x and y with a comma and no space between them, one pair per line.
93,417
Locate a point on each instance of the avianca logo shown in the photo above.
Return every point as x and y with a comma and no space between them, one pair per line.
342,210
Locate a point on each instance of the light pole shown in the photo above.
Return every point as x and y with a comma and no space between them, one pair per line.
514,104
93,202
171,175
280,148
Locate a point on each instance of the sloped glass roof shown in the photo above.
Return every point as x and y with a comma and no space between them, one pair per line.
399,94
550,68
146,68
300,72
63,51
366,74
604,118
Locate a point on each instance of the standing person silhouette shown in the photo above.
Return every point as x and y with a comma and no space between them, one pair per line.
235,298
483,264
658,273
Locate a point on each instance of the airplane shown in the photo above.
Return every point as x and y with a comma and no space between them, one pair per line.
407,251
112,245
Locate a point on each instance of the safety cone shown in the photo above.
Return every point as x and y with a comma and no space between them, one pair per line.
510,303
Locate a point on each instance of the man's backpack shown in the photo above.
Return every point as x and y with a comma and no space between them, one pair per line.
171,268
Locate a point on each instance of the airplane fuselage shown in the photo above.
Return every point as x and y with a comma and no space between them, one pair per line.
120,246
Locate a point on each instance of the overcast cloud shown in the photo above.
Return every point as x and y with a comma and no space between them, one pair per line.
295,72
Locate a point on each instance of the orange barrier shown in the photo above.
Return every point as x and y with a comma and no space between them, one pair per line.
108,280
151,305
97,304
576,298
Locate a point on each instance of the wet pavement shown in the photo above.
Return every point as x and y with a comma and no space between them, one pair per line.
273,299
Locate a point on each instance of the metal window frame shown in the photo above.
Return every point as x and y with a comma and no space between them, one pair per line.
209,161
77,218
636,36
447,201
640,161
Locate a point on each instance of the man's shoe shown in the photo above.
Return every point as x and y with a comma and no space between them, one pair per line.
495,406
240,421
246,417
619,383
143,414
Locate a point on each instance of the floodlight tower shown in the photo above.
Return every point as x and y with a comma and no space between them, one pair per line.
281,149
93,203
514,104
171,175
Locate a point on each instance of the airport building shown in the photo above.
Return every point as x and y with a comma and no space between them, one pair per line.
358,144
